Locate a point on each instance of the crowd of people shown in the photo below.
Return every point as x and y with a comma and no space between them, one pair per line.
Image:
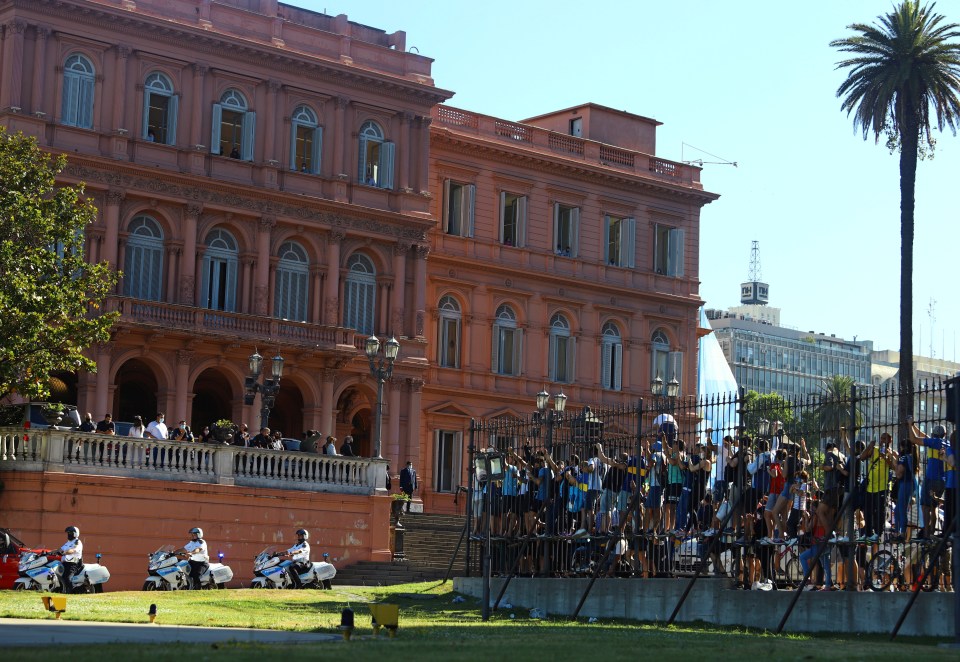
766,508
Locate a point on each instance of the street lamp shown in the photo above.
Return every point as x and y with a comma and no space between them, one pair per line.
381,367
268,388
554,418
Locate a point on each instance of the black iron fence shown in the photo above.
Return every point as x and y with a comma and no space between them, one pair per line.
830,491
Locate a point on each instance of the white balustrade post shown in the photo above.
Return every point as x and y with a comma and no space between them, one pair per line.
53,444
224,456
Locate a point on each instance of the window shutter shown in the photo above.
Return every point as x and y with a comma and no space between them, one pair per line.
456,345
676,252
503,213
205,282
316,156
145,124
657,267
68,107
173,112
362,160
293,145
466,207
606,356
87,88
249,131
446,206
676,367
522,221
575,232
571,359
558,238
628,242
606,240
518,352
552,358
215,128
495,348
387,152
617,366
230,296
154,290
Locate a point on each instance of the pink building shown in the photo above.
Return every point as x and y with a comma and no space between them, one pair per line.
277,179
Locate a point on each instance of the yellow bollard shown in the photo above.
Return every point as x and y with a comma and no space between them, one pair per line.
55,603
385,615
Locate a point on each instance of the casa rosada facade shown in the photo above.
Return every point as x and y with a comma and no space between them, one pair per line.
275,179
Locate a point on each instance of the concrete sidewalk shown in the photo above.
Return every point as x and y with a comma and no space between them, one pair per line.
30,632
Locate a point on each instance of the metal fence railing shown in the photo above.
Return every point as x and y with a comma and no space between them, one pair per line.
831,491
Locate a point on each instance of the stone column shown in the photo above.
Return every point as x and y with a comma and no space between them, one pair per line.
188,264
269,148
331,292
406,151
325,424
173,252
111,217
120,88
104,357
261,283
390,445
423,156
420,288
397,327
412,446
315,315
200,104
184,358
12,87
39,68
247,264
383,303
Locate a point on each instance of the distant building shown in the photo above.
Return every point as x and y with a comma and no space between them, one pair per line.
928,373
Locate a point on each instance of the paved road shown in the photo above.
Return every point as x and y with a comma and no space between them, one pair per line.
30,632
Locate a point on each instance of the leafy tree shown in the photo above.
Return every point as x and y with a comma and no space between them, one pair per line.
769,406
903,79
50,297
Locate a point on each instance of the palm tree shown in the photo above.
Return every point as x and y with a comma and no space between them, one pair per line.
904,77
833,410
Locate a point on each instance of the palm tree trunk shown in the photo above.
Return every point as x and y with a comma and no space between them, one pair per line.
910,133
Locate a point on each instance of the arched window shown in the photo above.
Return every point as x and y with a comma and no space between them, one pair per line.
293,275
159,110
219,279
233,127
448,335
562,350
306,141
79,82
143,265
611,357
507,345
360,290
664,364
376,157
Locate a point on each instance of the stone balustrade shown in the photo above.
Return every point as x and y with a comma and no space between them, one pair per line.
69,451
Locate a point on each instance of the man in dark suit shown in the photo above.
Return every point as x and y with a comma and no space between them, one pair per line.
408,481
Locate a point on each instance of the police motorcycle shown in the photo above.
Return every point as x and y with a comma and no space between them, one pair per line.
168,572
270,571
43,571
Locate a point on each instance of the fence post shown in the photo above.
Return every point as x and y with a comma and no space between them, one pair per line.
853,464
471,448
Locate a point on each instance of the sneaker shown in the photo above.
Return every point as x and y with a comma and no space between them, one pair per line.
810,587
861,539
740,541
580,533
766,541
710,532
765,585
755,586
841,539
778,541
874,538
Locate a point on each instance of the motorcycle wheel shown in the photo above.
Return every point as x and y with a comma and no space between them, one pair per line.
221,585
259,585
98,588
20,587
149,586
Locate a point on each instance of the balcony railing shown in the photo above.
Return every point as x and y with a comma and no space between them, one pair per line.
188,318
569,146
125,457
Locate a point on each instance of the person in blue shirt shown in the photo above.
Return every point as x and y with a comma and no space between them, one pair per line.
934,479
511,494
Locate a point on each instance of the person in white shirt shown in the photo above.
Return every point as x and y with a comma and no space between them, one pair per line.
299,555
137,429
196,552
157,429
71,556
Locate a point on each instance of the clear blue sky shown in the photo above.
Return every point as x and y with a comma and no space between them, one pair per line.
751,81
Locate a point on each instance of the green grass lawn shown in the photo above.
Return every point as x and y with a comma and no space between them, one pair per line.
432,627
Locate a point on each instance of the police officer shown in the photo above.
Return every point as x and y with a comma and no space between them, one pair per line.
299,554
71,556
196,552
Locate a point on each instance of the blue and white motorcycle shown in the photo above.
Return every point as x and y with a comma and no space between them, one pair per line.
170,573
39,572
271,572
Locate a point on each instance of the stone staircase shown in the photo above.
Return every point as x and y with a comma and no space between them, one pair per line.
429,542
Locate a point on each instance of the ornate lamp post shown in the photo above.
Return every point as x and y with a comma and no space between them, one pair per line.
268,388
488,467
381,367
554,417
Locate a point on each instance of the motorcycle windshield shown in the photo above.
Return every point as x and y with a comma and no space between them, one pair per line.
264,557
159,555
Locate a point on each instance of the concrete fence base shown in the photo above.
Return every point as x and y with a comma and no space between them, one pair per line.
715,602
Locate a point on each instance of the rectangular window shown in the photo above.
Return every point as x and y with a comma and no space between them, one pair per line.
307,144
619,240
566,229
562,357
458,208
513,213
668,250
507,344
576,127
158,115
447,461
611,359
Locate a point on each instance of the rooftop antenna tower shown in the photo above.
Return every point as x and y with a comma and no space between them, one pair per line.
754,291
932,314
